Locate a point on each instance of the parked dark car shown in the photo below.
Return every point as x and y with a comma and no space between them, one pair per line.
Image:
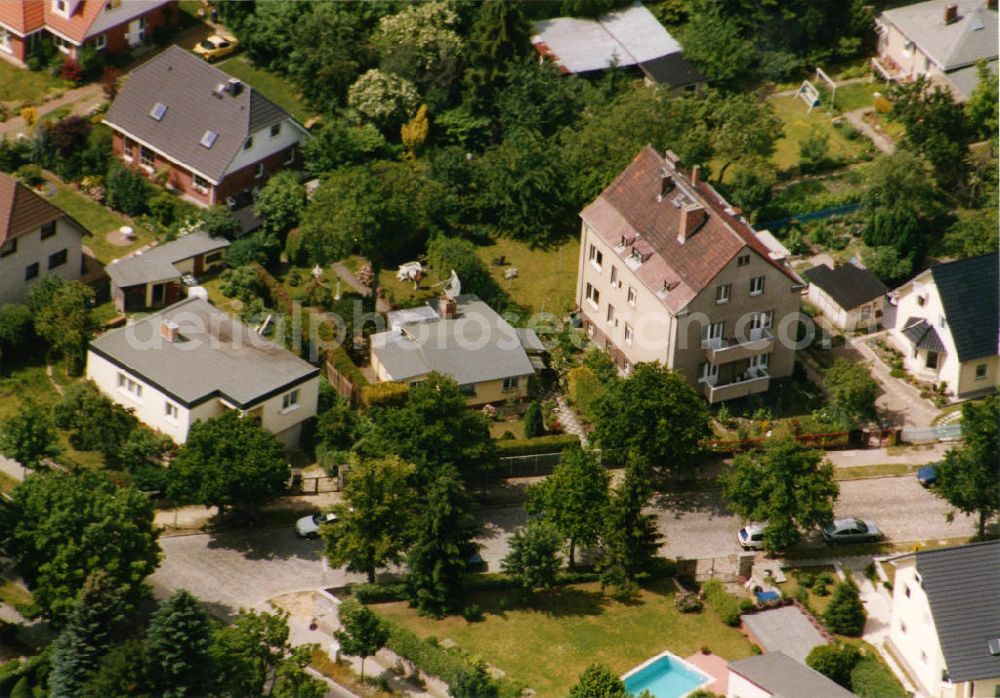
927,475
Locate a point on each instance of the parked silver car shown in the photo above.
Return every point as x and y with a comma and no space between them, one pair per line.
308,526
851,531
751,536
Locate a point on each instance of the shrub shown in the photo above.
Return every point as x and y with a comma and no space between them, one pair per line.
385,395
241,283
71,71
726,605
533,421
379,593
31,175
870,679
836,661
686,602
806,579
584,389
126,190
161,207
553,443
846,614
472,613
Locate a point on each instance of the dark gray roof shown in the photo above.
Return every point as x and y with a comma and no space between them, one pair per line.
923,335
783,676
970,38
963,588
218,356
187,86
964,80
477,345
157,263
849,286
674,70
969,290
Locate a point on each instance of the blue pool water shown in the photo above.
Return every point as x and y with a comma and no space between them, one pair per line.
666,677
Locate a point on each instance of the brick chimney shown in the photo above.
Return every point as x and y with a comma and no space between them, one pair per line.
666,185
447,308
695,175
692,218
950,13
169,331
671,158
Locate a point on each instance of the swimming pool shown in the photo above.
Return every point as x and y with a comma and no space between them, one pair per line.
665,676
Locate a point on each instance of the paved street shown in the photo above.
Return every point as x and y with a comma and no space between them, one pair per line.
247,567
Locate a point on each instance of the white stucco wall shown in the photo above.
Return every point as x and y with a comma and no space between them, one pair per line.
30,249
264,145
740,687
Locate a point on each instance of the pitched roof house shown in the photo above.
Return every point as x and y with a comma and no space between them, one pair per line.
945,627
947,324
113,26
152,278
776,675
851,297
941,39
465,339
192,361
215,136
36,239
670,272
630,36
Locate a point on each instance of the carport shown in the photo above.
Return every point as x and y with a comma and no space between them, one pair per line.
785,629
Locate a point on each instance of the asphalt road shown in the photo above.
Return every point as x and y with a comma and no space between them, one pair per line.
246,567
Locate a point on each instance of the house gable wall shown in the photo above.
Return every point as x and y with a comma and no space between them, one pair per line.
912,632
31,249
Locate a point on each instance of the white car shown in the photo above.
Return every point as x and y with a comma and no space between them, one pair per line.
751,536
308,526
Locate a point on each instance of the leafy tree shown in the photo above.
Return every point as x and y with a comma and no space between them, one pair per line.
229,460
219,221
597,681
744,127
533,559
935,127
814,148
16,328
521,187
970,235
372,523
62,144
95,422
631,538
442,543
254,652
384,210
122,672
64,319
654,411
86,637
446,253
281,202
362,633
538,98
261,247
433,429
898,228
716,44
573,499
29,437
178,639
885,263
835,662
500,34
473,680
902,180
269,32
789,486
328,53
337,426
969,476
420,44
338,142
852,391
384,99
292,681
982,105
534,425
126,190
64,526
241,283
751,186
414,132
846,614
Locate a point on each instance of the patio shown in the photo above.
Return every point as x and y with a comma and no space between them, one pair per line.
786,629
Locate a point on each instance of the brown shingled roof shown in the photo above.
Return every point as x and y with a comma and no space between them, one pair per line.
630,207
22,210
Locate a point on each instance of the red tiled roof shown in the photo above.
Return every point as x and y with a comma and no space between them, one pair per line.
22,210
629,208
22,16
86,12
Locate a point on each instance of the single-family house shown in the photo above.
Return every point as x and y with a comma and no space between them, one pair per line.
945,624
111,26
940,39
852,298
670,272
192,362
36,239
210,136
626,37
153,278
947,323
776,675
463,338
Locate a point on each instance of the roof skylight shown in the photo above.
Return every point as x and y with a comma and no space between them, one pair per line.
208,140
158,110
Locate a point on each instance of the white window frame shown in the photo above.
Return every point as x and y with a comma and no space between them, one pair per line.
757,285
611,314
143,150
984,373
712,331
631,296
628,334
100,42
760,360
708,371
511,383
170,410
290,401
258,170
593,296
614,275
128,150
743,260
129,387
275,130
6,41
723,294
290,158
596,257
763,320
200,183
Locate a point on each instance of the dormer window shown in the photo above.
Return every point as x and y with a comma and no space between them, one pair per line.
61,6
248,144
275,130
158,110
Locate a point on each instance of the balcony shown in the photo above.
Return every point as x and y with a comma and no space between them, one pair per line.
755,380
722,351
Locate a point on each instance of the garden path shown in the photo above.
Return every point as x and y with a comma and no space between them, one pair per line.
568,420
82,99
879,140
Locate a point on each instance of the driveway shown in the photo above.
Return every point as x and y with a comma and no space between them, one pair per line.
245,568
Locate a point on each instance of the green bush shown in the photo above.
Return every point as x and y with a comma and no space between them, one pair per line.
846,613
385,395
726,605
553,443
584,388
871,679
836,661
533,423
126,190
161,207
379,593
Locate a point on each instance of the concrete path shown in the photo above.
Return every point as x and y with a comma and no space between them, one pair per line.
11,468
350,279
568,420
83,100
913,455
879,140
900,399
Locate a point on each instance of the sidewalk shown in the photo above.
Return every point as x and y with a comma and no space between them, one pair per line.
908,455
84,99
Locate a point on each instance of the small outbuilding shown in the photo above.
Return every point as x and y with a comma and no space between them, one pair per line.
852,298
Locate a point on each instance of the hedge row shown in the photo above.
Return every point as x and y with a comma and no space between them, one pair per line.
396,591
553,443
727,606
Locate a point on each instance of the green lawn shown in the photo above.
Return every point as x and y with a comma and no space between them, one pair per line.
515,426
548,645
20,380
272,86
546,280
817,603
99,221
19,86
798,124
854,96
